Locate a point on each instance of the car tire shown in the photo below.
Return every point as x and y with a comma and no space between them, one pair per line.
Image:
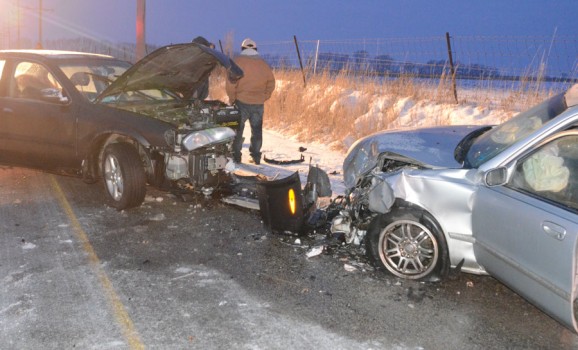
124,176
409,244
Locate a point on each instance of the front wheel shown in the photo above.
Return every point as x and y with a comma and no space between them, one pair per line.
409,244
124,176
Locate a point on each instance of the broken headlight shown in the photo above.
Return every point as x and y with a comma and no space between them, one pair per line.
207,137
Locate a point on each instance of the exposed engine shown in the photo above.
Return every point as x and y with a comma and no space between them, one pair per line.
205,132
194,115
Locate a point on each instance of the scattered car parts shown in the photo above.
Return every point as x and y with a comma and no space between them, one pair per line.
301,159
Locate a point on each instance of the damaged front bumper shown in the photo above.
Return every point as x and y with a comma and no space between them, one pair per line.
284,205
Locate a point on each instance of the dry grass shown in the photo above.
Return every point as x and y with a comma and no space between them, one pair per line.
332,107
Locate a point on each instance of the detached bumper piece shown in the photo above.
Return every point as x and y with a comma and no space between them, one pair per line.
281,204
284,162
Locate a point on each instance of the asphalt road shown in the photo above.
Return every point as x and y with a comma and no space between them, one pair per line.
75,273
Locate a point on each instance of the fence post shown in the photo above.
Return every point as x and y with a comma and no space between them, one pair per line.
452,68
300,63
316,56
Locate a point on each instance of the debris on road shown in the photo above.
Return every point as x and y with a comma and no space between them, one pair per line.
315,251
158,217
349,268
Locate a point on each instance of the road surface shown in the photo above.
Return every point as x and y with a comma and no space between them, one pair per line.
75,273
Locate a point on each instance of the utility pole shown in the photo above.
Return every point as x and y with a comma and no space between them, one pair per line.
39,44
18,25
18,43
41,11
140,29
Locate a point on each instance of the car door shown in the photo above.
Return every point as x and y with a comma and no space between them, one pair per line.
526,230
37,126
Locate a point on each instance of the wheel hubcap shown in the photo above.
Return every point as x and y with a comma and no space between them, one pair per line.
408,249
113,177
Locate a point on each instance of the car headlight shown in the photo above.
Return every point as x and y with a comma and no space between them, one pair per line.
207,137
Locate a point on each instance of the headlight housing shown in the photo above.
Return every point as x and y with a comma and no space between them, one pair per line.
207,137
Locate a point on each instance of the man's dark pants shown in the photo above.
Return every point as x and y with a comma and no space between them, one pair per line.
253,113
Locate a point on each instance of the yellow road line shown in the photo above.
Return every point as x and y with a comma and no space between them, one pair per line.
123,319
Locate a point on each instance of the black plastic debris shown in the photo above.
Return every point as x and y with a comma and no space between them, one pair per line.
281,203
284,162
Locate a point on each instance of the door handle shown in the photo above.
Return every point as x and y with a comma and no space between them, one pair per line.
553,230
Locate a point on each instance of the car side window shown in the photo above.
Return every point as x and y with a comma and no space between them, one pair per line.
33,81
551,172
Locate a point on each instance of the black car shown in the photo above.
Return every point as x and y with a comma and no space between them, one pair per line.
95,116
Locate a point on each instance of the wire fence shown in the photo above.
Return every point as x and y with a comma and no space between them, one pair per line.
468,59
546,59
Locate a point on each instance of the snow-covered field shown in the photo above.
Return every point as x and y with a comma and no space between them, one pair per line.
280,147
409,113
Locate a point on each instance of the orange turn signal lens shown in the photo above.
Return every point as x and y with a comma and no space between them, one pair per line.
292,203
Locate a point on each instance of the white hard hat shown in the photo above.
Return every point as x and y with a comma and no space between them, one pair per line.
248,44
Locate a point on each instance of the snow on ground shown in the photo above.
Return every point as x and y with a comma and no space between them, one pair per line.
279,147
409,113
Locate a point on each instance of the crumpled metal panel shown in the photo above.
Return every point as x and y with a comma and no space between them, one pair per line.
447,194
430,147
380,197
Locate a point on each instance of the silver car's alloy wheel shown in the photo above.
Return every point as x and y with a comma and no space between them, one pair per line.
408,249
113,177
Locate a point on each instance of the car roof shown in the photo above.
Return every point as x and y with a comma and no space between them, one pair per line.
53,53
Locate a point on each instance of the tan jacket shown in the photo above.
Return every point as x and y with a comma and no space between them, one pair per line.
257,83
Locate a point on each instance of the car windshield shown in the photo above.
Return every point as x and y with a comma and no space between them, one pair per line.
491,143
91,77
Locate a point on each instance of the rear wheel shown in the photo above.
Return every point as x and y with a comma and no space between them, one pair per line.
409,244
124,176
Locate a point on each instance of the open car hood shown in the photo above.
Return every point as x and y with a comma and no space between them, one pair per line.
428,147
178,68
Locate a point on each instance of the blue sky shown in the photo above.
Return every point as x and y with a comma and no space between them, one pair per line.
173,21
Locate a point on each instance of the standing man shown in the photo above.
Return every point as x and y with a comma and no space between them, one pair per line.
249,95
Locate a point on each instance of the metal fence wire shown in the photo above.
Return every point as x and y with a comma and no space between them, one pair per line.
474,57
481,58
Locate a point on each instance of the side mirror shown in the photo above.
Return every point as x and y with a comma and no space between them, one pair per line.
496,177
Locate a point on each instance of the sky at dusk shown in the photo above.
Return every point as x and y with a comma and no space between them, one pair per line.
175,21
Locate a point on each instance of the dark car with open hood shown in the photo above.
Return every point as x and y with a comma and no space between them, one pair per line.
98,117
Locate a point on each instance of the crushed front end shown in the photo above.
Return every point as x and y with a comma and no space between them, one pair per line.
386,167
372,195
199,159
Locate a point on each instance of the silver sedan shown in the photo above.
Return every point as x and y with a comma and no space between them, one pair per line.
497,200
